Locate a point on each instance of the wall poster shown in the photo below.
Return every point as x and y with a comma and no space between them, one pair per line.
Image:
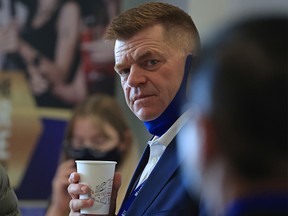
52,56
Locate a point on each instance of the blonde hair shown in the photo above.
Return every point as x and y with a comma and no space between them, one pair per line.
180,30
100,108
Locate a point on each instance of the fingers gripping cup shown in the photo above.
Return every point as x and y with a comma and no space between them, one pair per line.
98,175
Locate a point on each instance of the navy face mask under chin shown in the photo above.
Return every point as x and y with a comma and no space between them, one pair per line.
92,154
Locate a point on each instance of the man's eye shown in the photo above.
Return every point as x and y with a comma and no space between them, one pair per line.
124,72
152,62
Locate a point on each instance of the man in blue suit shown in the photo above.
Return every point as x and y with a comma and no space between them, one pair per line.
154,46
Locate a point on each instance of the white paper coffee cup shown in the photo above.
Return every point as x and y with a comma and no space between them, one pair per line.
98,175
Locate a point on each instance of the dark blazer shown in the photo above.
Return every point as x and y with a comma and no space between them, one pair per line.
163,194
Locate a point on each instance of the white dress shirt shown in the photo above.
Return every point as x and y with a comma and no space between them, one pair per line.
159,144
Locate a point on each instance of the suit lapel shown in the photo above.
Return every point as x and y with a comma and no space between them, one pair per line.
162,172
141,165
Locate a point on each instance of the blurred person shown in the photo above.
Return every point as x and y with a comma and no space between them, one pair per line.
235,147
153,44
97,55
96,72
8,200
97,131
12,17
47,47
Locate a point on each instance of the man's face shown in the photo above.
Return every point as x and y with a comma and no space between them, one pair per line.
151,72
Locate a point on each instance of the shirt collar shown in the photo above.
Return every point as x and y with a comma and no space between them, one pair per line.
169,135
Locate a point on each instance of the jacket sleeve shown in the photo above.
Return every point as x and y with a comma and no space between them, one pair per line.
8,200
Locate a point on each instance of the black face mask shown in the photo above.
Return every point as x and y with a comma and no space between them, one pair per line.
92,154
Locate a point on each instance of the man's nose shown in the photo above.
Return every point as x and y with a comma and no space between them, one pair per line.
137,76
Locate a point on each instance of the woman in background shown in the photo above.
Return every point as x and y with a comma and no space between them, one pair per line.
47,47
96,131
96,72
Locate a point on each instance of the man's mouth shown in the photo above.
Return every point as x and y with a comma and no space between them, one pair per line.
141,97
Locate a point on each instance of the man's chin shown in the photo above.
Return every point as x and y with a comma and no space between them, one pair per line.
146,118
147,113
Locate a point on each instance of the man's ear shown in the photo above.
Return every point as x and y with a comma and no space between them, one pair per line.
125,144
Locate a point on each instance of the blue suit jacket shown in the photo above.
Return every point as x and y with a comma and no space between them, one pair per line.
163,193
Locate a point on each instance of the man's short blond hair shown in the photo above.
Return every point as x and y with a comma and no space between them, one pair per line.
180,30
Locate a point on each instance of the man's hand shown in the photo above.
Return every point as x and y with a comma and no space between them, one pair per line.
75,189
